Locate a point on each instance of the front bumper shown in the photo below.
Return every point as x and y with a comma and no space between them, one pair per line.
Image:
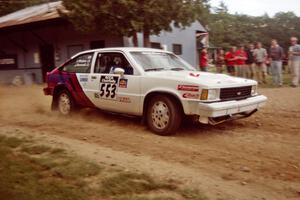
229,108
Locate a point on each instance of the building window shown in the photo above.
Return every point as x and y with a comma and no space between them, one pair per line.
8,62
155,45
97,44
177,49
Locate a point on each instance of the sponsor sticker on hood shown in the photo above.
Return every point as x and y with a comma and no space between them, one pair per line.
194,75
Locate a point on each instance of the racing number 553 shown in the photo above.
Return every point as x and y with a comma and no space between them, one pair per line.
108,90
108,86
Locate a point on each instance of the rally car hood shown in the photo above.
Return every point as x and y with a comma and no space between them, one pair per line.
206,79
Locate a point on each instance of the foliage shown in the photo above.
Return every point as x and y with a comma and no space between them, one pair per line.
127,17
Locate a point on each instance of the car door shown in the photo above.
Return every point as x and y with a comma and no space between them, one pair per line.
82,65
115,92
75,75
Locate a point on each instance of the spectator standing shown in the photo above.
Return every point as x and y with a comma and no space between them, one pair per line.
230,61
290,59
220,60
276,56
295,61
241,57
204,60
260,57
250,61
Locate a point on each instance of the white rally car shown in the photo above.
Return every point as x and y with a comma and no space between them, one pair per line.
155,84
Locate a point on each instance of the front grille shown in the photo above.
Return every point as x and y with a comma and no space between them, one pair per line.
235,93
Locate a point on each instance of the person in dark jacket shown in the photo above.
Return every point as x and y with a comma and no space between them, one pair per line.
250,61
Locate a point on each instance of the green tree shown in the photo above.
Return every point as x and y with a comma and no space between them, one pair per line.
127,17
227,29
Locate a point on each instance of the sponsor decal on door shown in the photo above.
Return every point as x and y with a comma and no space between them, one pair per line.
83,78
123,83
124,99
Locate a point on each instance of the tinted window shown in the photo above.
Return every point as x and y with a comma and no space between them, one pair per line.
80,64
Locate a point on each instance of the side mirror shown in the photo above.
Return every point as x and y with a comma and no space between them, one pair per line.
119,71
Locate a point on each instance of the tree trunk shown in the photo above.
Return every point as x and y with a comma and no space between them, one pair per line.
135,40
146,37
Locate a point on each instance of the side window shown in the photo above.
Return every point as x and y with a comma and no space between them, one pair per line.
107,62
103,63
80,64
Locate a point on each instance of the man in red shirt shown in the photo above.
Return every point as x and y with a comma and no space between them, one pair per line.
230,61
241,67
204,60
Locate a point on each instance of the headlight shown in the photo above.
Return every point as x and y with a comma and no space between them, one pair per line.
254,90
209,94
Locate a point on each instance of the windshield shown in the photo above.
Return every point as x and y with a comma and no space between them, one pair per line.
156,61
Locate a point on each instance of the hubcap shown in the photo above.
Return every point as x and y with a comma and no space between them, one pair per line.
64,104
160,115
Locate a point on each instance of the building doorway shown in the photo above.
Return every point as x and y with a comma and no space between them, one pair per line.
46,59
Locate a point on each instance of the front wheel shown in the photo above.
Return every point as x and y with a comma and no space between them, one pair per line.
164,115
65,103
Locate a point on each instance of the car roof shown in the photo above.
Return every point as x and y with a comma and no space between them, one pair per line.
124,49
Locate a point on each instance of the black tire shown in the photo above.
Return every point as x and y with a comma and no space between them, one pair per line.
164,115
64,98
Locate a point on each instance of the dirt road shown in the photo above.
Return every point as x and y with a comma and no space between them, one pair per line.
254,158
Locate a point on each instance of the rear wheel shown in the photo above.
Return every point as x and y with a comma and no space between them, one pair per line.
164,115
65,103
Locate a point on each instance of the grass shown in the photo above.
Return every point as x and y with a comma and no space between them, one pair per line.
134,186
12,142
35,149
30,171
25,177
146,198
131,183
192,194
